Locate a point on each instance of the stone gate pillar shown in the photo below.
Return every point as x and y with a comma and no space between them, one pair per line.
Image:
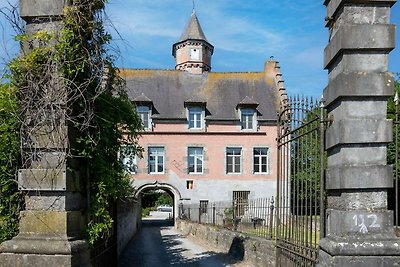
359,227
53,221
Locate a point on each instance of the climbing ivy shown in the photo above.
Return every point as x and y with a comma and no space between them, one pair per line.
74,65
10,198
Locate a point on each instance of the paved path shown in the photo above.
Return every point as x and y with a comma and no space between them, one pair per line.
157,245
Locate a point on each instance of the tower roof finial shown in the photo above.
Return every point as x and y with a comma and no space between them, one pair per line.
194,7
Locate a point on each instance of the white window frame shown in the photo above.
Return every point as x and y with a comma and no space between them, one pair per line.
198,159
129,163
197,118
247,116
236,160
260,163
158,154
143,112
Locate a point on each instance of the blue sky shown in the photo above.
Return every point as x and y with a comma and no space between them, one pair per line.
245,33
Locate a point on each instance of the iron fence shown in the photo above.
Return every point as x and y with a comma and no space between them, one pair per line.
300,198
254,217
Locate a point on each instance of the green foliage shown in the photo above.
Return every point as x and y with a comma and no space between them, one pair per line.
100,115
164,199
10,198
146,212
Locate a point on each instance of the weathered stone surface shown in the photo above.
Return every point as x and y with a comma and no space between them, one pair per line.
363,37
359,224
358,132
333,6
256,251
352,177
357,199
51,222
359,84
359,61
343,109
54,201
28,251
42,179
357,155
42,8
326,260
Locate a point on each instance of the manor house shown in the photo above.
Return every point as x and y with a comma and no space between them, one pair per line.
208,136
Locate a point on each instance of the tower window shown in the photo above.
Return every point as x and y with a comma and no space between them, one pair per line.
195,54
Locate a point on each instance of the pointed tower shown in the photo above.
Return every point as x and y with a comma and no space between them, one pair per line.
193,52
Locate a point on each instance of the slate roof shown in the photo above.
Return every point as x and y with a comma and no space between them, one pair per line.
222,92
193,30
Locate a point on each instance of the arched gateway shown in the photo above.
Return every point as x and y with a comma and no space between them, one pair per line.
162,186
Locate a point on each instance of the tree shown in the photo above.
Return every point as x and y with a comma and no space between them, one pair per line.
10,198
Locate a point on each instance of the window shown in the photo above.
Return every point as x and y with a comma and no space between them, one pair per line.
195,159
156,160
195,117
127,158
189,184
144,113
203,206
195,53
247,115
240,202
260,160
233,160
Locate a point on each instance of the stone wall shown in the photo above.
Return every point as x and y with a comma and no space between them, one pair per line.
252,250
128,222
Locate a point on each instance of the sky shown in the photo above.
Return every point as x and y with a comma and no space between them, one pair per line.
245,33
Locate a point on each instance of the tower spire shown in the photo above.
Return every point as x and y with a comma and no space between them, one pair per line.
193,52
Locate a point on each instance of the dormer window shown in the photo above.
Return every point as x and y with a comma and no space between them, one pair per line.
144,113
195,115
247,118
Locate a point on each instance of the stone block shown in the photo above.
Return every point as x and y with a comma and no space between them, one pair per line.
333,6
51,223
359,61
350,108
360,37
359,84
28,251
42,179
359,224
357,199
47,137
328,260
42,8
358,132
54,201
357,155
359,177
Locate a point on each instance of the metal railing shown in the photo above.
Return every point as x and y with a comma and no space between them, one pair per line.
253,217
300,194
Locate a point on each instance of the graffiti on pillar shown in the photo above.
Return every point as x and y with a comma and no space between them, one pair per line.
364,225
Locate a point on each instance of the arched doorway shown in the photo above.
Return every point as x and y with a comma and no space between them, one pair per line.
171,190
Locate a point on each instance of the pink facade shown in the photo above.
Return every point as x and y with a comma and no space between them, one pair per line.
215,141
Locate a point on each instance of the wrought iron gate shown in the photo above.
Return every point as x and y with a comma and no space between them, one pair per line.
300,203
